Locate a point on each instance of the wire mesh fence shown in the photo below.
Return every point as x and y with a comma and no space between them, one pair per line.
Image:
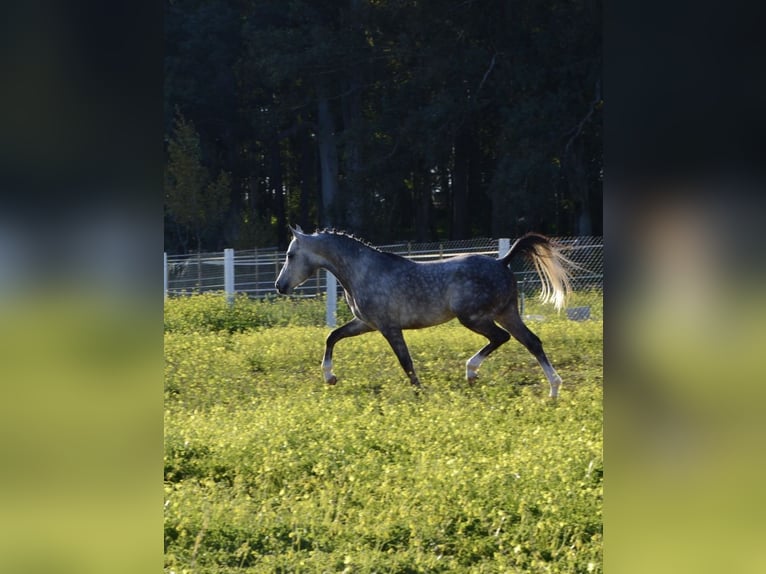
256,270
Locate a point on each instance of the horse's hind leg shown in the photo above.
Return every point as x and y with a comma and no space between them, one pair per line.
512,321
496,336
350,329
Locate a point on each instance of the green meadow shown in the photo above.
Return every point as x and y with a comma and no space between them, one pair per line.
267,469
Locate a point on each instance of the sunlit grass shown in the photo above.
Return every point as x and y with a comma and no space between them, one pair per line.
268,469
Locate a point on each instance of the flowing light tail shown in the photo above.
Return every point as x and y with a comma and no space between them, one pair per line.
551,266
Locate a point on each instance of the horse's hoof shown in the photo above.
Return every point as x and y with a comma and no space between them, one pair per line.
332,380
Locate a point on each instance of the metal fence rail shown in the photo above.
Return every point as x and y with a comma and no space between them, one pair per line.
254,271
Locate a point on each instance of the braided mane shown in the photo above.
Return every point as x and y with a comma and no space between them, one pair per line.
347,235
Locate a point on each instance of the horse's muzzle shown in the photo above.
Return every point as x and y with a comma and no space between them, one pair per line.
281,288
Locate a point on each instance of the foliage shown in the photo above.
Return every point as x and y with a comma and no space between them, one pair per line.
269,470
210,312
402,119
195,202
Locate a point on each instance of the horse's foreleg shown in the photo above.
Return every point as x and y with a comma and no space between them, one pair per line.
395,338
496,338
350,329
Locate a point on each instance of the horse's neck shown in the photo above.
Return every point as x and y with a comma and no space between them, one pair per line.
345,258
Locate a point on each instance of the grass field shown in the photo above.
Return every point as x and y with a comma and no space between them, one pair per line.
269,470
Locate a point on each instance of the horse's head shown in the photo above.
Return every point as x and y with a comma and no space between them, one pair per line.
301,263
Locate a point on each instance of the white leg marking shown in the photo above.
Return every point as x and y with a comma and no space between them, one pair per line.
553,378
329,378
472,367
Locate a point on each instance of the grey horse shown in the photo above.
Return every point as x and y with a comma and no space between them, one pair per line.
389,293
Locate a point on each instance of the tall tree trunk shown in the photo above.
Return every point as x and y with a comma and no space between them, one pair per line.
278,193
328,157
351,106
404,210
476,213
459,228
444,214
352,153
577,184
308,178
422,206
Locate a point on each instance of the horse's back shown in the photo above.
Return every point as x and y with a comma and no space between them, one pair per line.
464,285
412,295
479,285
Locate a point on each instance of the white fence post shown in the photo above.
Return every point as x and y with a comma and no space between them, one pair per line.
165,274
228,274
332,299
503,245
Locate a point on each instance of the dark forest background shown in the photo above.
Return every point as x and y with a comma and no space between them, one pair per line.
394,120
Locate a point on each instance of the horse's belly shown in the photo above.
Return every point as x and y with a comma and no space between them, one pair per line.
420,324
404,315
419,316
413,307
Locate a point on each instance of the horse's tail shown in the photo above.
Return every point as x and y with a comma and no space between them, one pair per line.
551,266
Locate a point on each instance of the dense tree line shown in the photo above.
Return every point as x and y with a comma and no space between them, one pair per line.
391,119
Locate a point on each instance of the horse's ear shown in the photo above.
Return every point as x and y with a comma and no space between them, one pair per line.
295,230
